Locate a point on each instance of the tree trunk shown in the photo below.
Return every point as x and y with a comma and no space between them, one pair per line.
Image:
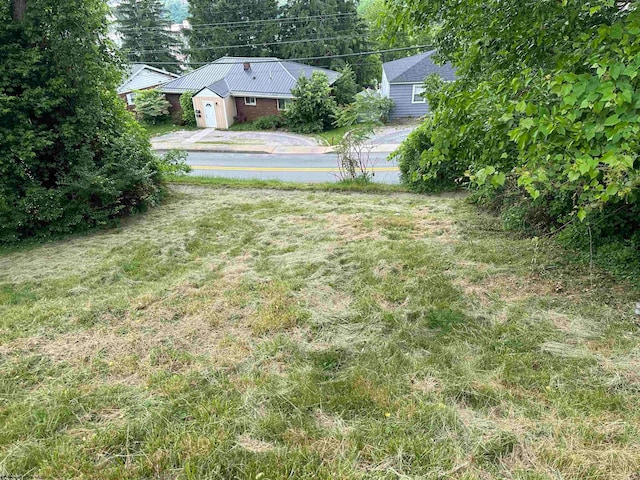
18,9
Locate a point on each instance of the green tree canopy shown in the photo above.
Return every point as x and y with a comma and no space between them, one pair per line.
227,27
318,28
71,155
145,33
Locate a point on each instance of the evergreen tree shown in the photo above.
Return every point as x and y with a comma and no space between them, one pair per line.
145,33
238,24
332,28
71,156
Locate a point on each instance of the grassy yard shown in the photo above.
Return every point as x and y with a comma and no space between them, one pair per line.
164,127
272,334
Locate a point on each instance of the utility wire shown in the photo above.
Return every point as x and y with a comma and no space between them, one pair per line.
300,59
243,22
285,42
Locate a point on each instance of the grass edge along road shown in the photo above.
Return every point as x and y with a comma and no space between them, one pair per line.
276,333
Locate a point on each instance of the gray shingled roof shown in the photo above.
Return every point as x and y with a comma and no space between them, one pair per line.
267,76
415,69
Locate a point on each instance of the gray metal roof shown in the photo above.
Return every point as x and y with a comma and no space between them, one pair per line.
267,76
139,76
416,68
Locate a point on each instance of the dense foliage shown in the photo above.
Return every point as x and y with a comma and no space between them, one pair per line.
186,107
345,87
227,27
313,109
71,156
151,106
547,105
403,35
143,26
317,28
369,107
270,122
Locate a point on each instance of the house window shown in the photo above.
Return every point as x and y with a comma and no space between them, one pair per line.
282,104
417,94
249,100
131,98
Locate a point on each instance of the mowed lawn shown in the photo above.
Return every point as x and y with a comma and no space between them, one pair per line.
263,334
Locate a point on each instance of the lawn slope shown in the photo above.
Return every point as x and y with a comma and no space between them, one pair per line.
285,334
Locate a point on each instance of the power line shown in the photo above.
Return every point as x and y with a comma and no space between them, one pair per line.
301,59
284,42
244,22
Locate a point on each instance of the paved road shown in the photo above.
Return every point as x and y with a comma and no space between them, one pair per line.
290,168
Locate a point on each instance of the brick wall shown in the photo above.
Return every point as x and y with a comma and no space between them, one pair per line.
263,107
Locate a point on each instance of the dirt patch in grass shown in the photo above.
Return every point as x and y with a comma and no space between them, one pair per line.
507,288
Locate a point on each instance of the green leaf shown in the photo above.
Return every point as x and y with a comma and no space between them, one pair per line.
526,123
582,214
612,120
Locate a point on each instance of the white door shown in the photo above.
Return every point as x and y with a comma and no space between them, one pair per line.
210,115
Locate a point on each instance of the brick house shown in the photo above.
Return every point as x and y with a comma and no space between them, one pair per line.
238,89
139,76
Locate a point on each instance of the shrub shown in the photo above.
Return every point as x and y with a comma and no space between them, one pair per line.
345,87
188,112
151,106
313,109
72,156
174,162
270,122
369,107
353,152
417,170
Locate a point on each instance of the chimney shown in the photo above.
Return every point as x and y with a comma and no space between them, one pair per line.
247,66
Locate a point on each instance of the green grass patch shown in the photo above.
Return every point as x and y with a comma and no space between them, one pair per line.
237,183
161,128
259,329
333,137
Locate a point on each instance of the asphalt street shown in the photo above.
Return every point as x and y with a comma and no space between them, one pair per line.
285,167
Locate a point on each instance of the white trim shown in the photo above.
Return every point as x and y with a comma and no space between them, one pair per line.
250,104
131,98
413,93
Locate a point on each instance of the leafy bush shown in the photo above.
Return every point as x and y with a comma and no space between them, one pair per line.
151,106
174,162
188,112
72,156
369,107
345,87
417,170
270,122
545,119
313,109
